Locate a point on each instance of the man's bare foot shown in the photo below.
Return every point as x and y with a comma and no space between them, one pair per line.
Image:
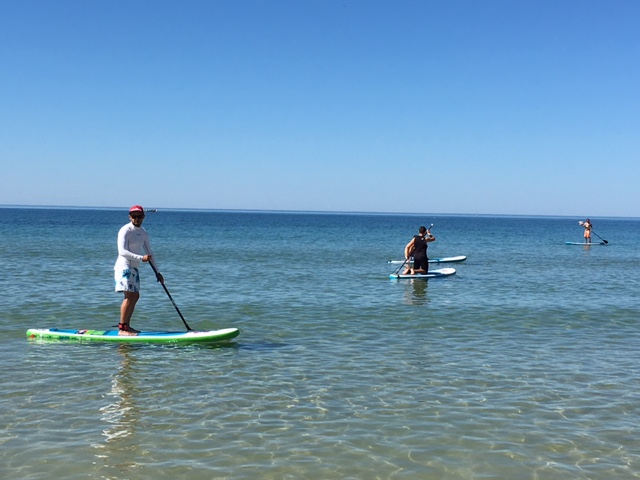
125,329
127,333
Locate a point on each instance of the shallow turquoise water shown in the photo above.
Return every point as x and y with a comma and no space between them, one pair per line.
522,365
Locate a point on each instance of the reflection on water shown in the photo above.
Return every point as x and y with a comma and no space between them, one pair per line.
416,292
121,413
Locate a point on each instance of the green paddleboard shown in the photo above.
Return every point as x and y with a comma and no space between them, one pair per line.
191,336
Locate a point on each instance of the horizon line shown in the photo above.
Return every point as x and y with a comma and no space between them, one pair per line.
315,212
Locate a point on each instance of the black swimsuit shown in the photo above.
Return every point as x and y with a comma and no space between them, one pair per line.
420,259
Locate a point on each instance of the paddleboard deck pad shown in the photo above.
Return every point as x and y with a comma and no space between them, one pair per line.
585,243
459,258
191,336
443,272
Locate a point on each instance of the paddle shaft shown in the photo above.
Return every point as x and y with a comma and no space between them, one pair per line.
605,242
171,298
400,267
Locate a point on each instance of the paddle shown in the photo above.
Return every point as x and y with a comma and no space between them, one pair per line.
407,259
581,223
170,298
605,241
400,267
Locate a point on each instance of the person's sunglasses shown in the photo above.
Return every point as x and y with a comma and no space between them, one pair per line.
137,216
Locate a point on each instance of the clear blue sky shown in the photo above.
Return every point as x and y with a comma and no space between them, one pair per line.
425,106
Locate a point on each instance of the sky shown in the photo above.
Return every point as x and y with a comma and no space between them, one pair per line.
501,107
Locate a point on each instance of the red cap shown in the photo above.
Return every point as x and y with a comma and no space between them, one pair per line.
136,208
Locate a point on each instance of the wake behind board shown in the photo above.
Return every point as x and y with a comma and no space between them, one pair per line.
443,272
191,336
585,243
459,258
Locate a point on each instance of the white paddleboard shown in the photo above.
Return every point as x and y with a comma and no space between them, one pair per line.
459,258
442,272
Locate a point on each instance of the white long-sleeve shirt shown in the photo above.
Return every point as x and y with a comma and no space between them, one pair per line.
133,245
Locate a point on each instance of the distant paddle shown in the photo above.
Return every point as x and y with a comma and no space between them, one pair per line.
400,267
605,241
170,298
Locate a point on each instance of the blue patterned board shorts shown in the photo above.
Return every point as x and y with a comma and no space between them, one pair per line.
127,280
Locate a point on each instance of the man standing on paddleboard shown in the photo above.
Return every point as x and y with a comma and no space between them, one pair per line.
417,248
587,230
133,248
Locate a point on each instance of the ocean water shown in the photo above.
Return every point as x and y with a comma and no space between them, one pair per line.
522,365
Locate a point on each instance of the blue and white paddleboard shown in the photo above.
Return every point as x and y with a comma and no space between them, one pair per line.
459,258
443,272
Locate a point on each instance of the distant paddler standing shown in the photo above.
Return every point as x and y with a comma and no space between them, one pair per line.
588,226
